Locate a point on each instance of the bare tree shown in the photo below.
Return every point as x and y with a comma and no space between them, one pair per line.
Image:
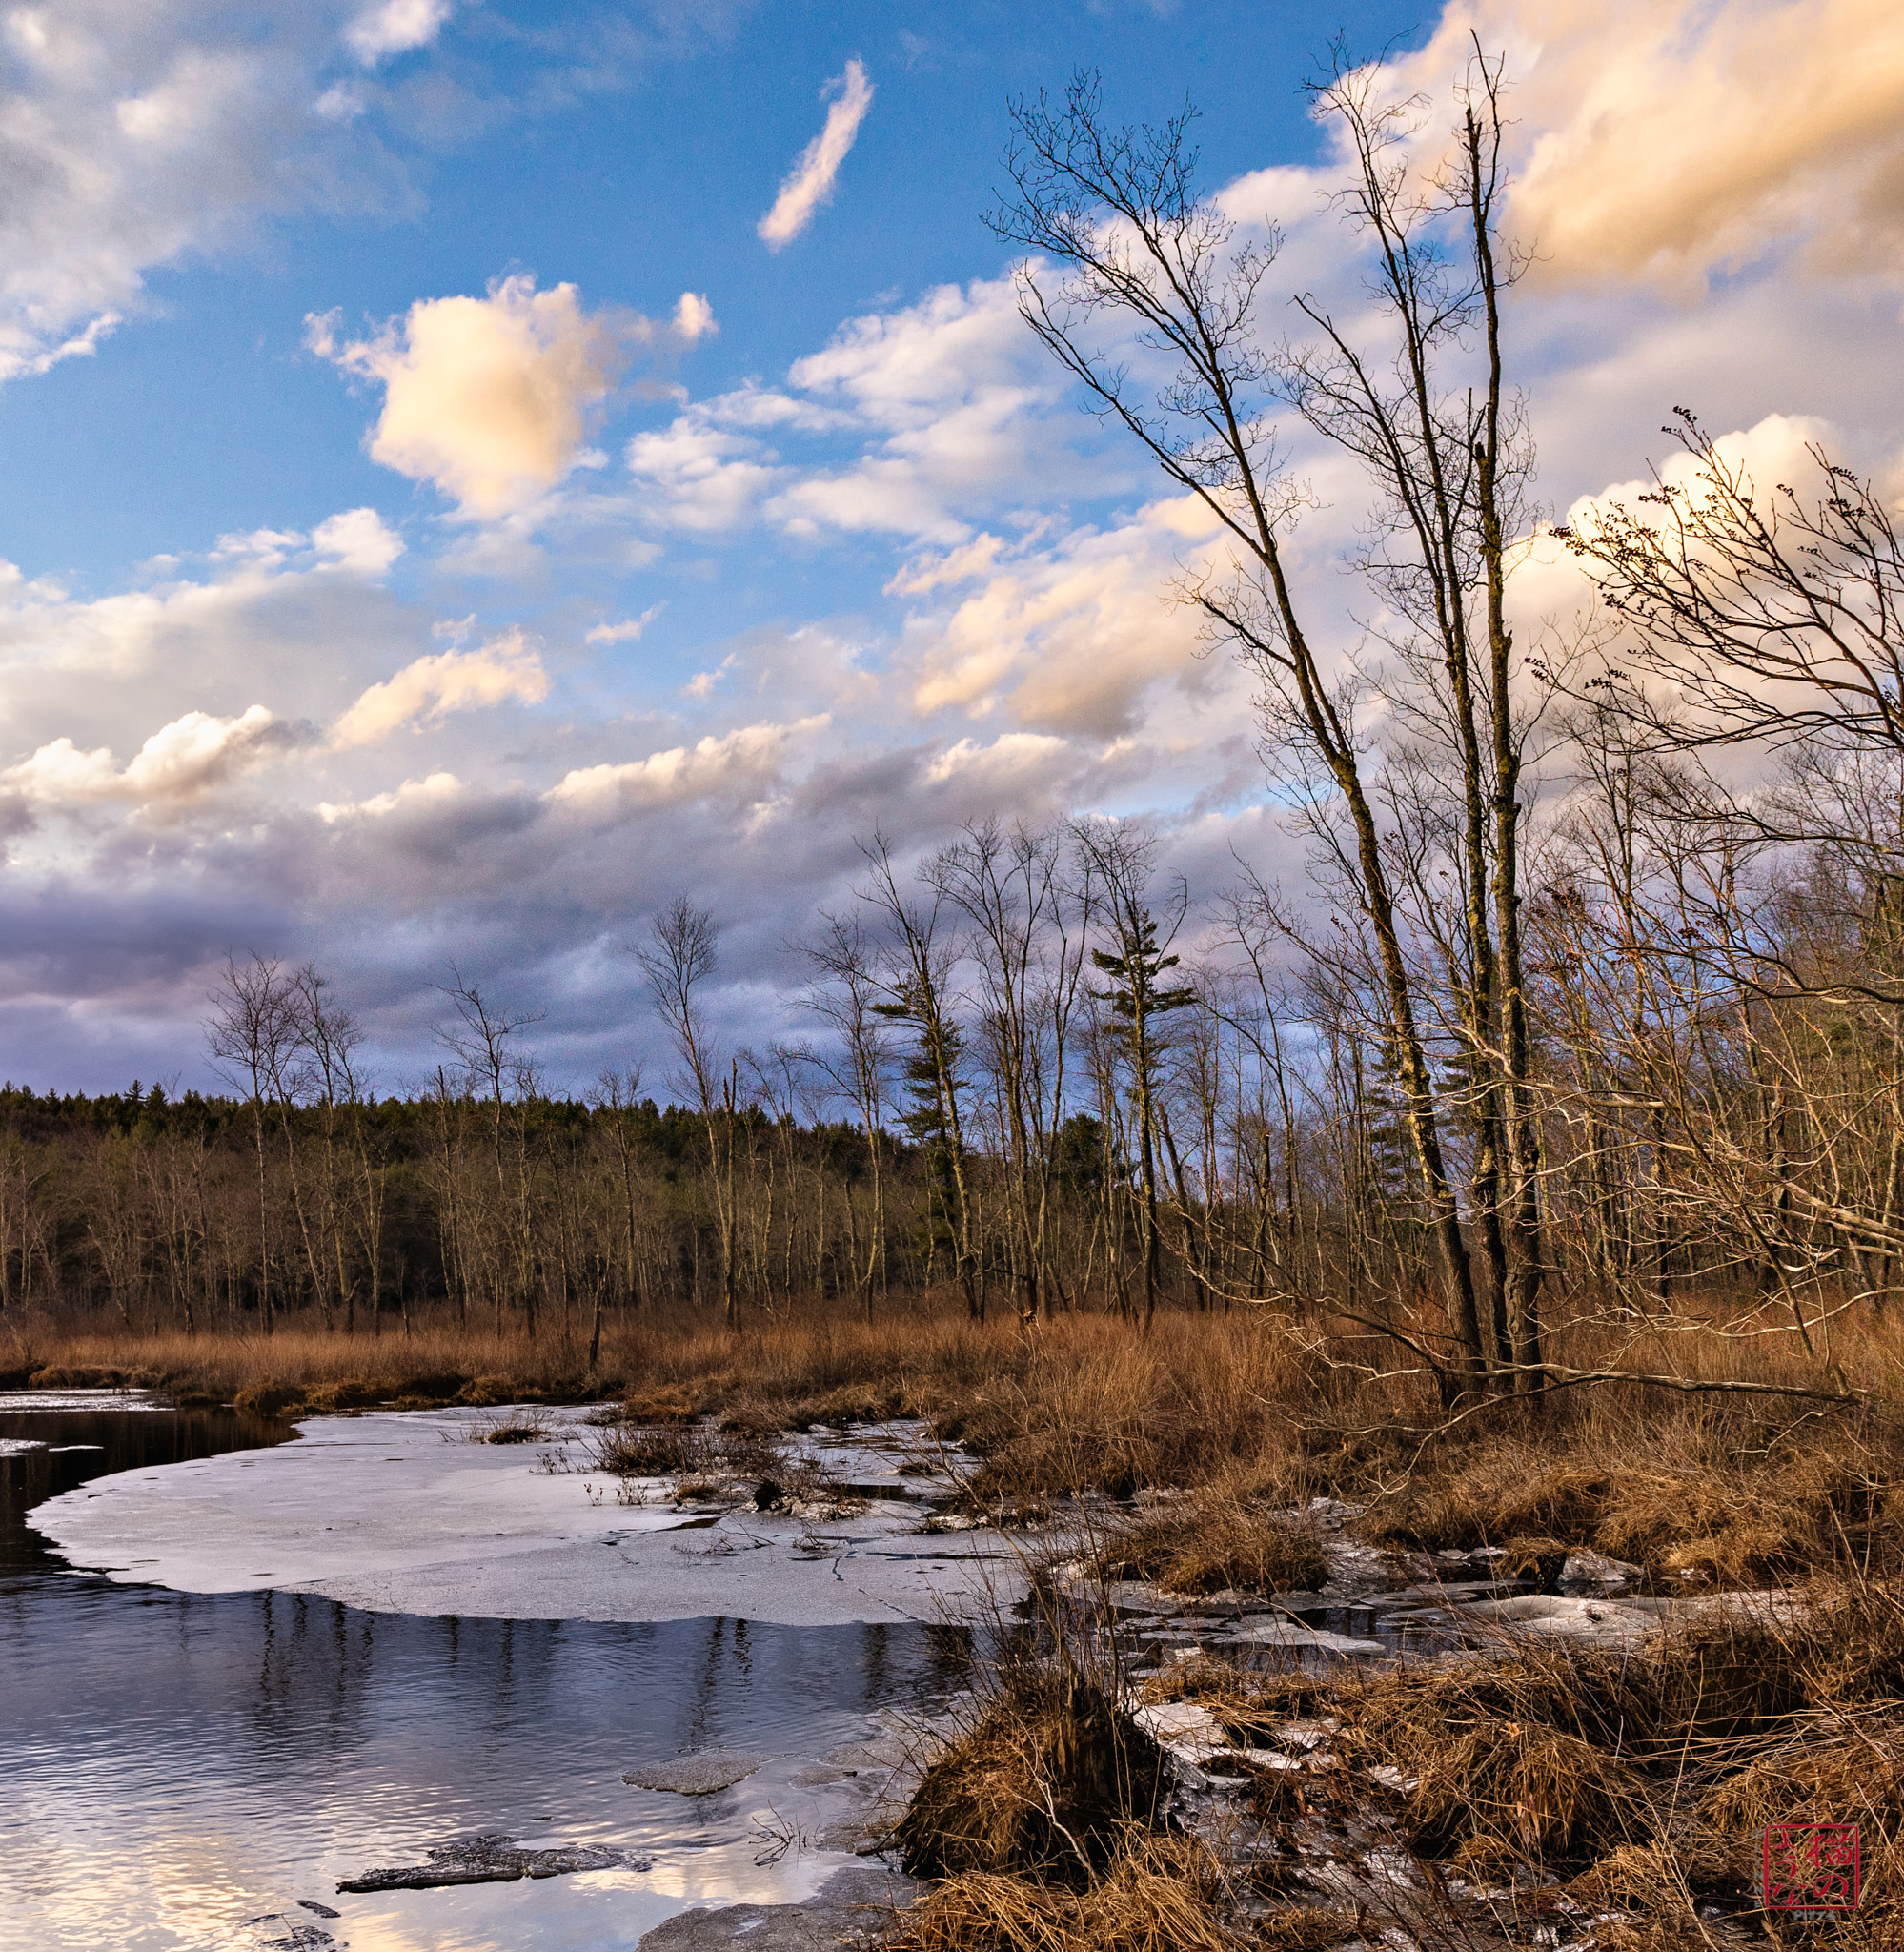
845,994
253,1035
1140,248
678,961
485,1045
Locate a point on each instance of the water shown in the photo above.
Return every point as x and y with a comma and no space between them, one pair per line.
179,1770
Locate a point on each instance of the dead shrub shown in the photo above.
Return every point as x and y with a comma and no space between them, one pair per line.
1510,1792
661,1452
1678,1500
269,1399
353,1392
1659,1878
1047,1780
670,1403
81,1377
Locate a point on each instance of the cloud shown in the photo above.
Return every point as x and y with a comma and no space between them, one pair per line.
694,317
358,540
490,398
737,765
179,763
810,182
414,796
395,26
1068,637
627,632
503,671
135,138
699,475
1665,139
929,412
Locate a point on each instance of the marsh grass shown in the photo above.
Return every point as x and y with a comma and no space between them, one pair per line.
1220,1537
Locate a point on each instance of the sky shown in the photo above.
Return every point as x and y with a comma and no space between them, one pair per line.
479,469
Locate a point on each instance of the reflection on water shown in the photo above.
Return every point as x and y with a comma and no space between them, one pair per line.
179,1768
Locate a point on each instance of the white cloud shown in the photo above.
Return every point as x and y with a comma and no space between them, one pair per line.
627,632
414,796
810,182
694,317
699,475
179,763
1665,139
505,670
358,540
944,400
139,137
395,26
741,765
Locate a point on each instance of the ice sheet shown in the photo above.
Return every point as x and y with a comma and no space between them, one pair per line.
397,1511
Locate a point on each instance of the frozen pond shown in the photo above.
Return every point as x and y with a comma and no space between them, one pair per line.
183,1769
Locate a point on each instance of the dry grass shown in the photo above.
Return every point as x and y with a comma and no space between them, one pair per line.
1218,1539
1716,1497
1154,1895
1564,1759
1049,1779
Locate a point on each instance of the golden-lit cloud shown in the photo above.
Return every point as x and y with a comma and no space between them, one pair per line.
180,762
505,670
491,398
1665,139
809,183
742,763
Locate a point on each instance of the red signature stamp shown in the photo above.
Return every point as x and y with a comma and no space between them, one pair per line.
1811,1867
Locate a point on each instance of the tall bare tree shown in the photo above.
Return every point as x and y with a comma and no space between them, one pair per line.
1143,252
678,960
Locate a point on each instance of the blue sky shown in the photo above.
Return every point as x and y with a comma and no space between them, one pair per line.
787,543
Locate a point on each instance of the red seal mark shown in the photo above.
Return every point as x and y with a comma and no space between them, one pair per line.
1811,1867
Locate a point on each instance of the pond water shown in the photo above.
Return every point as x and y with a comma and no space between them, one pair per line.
184,1770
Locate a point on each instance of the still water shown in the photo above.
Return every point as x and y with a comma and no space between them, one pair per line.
180,1770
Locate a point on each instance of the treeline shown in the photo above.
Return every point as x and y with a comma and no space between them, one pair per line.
1018,1083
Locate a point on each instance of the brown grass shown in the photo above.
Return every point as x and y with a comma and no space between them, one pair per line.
1218,1539
1048,1778
1716,1497
1154,1895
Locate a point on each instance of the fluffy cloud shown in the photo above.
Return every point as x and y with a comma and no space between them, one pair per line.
1667,138
810,182
414,796
919,417
179,763
1065,637
358,540
135,136
740,765
505,670
487,398
395,26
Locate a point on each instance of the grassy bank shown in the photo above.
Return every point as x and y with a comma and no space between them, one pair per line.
1249,1414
